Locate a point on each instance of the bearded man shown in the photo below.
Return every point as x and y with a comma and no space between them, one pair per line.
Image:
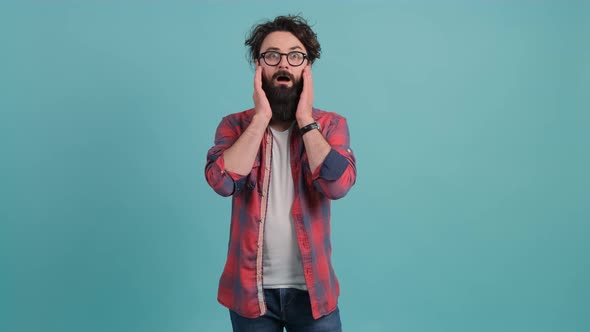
282,162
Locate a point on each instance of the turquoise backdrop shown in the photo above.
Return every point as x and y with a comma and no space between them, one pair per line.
470,122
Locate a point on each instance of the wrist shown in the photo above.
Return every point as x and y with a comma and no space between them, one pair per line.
304,121
309,127
261,118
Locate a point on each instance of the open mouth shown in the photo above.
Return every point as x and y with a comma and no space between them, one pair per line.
283,79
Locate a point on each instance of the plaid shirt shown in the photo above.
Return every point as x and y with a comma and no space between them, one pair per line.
240,285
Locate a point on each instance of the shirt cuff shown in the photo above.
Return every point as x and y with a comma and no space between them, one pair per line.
238,180
333,166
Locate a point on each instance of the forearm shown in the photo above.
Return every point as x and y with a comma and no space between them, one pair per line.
331,161
316,146
239,158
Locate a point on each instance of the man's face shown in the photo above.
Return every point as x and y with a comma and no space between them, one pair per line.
282,83
283,42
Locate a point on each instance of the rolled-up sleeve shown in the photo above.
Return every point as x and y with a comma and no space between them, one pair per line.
337,173
223,182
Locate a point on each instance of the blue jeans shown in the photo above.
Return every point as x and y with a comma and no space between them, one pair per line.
289,308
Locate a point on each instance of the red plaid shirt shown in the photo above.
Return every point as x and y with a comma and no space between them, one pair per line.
240,285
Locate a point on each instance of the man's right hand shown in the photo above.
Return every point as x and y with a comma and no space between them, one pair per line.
261,104
239,158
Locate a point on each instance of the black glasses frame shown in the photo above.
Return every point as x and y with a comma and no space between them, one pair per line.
262,55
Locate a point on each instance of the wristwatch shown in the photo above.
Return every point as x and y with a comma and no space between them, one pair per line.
309,127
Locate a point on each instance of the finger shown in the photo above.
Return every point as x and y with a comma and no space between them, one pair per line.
307,80
309,74
258,76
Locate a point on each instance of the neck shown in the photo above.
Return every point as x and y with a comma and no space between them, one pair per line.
280,125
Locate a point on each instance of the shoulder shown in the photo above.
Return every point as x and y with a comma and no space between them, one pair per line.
240,120
326,118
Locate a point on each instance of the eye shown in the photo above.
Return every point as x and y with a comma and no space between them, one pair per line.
295,56
272,55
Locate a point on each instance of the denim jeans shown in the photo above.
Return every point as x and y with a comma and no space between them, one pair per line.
288,308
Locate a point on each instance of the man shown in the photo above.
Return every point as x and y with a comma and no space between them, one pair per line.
282,162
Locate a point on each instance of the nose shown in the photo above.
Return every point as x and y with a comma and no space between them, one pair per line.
283,64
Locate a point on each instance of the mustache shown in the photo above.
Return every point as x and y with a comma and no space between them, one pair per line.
283,73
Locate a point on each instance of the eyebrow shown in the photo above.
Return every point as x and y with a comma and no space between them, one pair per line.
277,49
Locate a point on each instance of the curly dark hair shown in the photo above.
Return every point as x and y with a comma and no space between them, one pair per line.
294,24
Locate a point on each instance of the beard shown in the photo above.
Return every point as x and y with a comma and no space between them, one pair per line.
283,100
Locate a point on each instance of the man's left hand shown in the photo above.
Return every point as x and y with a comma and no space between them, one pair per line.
305,105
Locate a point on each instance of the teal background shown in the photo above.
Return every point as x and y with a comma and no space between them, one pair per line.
469,119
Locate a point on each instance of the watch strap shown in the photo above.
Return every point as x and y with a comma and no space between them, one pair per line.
309,127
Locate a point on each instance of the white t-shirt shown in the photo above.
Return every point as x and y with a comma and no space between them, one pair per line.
282,265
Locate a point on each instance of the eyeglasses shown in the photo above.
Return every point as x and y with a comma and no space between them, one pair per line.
273,58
